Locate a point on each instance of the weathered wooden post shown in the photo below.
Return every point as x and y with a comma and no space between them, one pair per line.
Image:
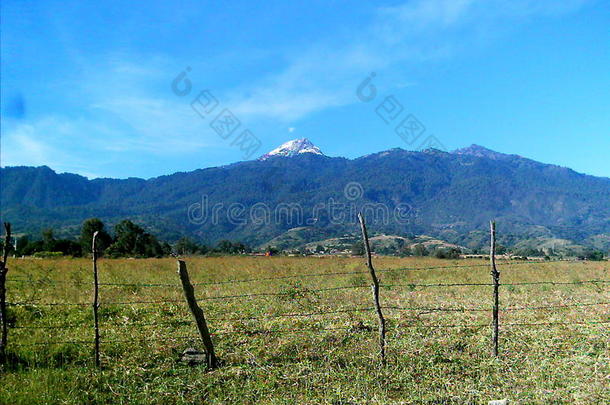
375,287
95,301
202,326
3,271
495,274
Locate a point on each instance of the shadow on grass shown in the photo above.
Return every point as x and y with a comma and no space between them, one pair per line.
58,357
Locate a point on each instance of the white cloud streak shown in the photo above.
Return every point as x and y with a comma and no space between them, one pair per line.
325,77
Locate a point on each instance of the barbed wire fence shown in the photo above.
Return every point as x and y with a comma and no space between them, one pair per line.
208,337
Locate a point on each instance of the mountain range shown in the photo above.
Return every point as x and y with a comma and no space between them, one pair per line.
297,192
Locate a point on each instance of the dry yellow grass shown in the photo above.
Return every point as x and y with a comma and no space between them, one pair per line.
329,357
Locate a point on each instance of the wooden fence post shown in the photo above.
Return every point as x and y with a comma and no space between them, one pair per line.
495,274
95,301
202,326
3,271
375,287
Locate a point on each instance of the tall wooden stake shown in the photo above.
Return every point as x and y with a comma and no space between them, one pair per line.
202,326
95,301
375,287
3,271
495,274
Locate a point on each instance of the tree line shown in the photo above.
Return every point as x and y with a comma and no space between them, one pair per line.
421,250
131,240
127,240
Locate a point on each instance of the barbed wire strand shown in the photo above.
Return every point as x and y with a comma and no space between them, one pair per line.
222,332
482,325
235,281
479,309
438,285
358,328
305,291
285,293
501,284
185,322
558,282
587,304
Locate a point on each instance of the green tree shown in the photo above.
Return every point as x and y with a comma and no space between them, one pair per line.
32,247
224,246
68,247
228,247
166,249
186,246
451,253
48,240
203,249
358,249
529,252
593,255
90,226
22,243
272,250
132,240
406,251
420,250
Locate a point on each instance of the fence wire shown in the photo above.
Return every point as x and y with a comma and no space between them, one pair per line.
300,292
318,313
354,328
275,278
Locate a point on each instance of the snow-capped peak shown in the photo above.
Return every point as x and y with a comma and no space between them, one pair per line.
293,148
481,151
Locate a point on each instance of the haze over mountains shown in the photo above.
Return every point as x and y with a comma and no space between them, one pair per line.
296,188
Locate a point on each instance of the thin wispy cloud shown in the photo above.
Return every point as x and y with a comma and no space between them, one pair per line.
117,113
436,15
324,76
51,150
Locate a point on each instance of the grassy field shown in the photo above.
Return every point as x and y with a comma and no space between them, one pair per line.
326,351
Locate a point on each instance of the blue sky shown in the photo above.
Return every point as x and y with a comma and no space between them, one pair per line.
86,86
